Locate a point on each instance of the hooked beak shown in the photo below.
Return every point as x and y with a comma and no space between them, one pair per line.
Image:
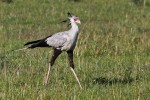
78,21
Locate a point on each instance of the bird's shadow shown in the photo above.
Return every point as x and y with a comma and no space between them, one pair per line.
105,81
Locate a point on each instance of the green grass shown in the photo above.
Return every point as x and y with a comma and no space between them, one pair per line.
112,56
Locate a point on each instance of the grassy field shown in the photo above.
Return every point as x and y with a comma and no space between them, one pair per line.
112,56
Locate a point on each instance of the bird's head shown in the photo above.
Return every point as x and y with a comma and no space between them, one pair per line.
75,19
72,19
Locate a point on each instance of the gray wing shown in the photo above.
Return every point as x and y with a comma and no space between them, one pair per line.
57,40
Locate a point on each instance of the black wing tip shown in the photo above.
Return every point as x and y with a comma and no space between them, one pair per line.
31,42
26,44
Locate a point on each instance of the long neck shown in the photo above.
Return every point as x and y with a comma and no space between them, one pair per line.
74,27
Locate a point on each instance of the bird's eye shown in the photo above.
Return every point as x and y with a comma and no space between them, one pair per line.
75,19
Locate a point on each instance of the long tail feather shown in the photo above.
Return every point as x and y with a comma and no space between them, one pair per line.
21,49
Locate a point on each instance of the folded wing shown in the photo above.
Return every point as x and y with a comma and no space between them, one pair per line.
57,40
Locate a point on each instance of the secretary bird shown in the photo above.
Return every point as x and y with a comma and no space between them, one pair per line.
61,41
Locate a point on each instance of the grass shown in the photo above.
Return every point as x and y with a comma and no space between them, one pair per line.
112,57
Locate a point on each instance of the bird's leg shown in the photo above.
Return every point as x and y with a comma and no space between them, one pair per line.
70,58
55,55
